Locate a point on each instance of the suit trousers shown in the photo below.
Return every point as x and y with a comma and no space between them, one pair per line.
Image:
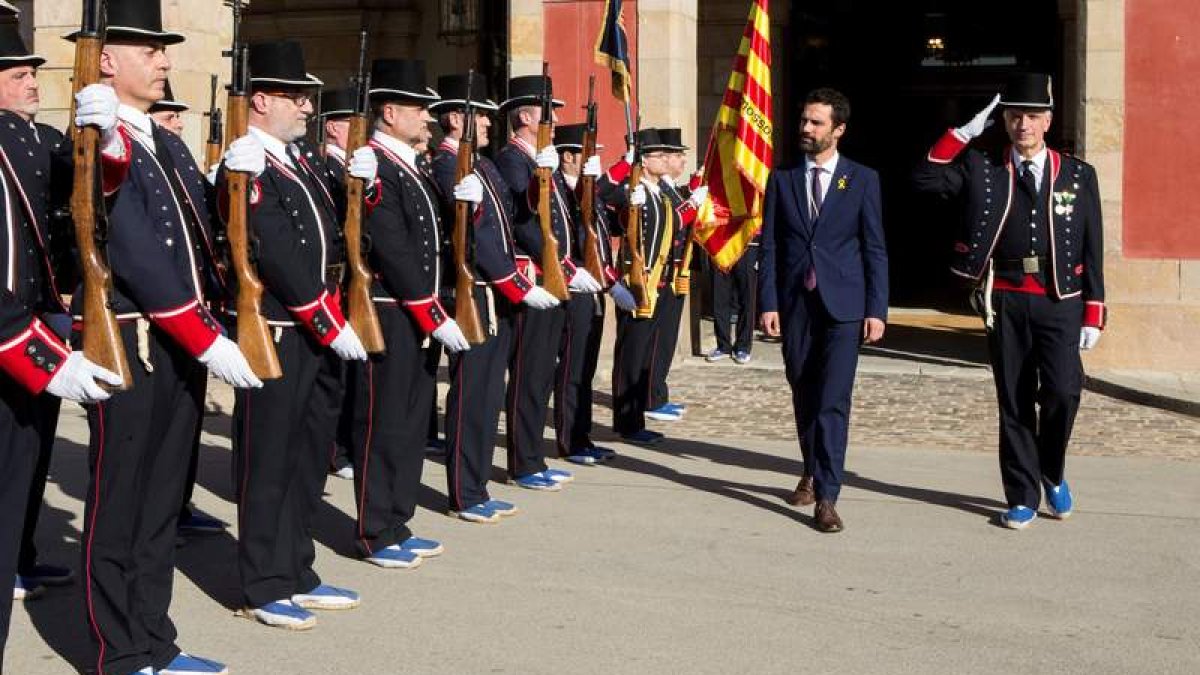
189,486
138,456
473,406
578,355
530,381
391,394
46,408
669,313
633,361
282,437
1034,350
820,358
734,293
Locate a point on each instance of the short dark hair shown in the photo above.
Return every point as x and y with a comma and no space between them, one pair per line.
834,99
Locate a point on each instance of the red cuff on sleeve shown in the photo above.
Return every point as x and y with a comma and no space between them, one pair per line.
373,195
946,148
1094,315
687,213
619,171
569,269
113,170
612,275
514,287
33,357
428,313
255,188
322,316
190,326
696,181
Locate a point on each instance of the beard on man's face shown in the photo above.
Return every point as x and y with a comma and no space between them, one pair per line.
813,146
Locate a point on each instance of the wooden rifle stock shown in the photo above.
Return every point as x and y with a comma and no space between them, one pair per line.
552,274
637,259
101,335
362,313
587,205
466,312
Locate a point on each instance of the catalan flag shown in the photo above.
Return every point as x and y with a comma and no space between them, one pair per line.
739,155
612,48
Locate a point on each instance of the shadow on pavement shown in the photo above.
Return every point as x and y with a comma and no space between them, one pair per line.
944,346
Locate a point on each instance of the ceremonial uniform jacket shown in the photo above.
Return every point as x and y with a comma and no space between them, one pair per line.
660,226
687,219
578,228
519,169
986,187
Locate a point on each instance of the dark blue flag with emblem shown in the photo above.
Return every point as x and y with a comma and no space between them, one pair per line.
612,48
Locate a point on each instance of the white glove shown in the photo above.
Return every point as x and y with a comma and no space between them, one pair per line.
592,168
96,105
1088,337
364,164
246,155
451,335
469,189
584,282
629,156
978,124
547,158
225,360
624,299
637,196
211,176
76,380
347,345
540,298
698,196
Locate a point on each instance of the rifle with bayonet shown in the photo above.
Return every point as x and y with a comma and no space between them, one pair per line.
552,274
633,236
101,336
466,312
587,191
215,145
253,333
362,315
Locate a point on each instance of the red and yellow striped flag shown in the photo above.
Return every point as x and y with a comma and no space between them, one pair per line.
739,155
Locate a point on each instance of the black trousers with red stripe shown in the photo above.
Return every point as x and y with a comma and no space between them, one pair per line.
140,447
282,436
391,395
633,361
578,355
473,409
668,315
530,380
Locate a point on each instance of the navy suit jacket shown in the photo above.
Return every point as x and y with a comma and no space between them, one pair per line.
845,244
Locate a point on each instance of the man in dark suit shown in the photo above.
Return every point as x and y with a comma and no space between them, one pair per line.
824,286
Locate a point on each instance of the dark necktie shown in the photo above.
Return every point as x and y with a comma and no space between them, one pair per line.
810,275
1027,177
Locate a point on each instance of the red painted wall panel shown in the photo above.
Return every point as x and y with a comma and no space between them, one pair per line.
571,28
1162,130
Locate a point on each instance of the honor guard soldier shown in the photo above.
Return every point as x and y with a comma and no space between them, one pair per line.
531,372
282,432
1033,242
477,375
141,439
579,351
168,113
393,391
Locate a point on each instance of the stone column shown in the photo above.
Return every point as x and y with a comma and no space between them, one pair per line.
525,39
667,67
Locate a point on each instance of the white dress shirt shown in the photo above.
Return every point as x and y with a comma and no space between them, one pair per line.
825,177
1038,167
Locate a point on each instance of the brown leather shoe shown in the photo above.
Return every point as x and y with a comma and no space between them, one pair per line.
827,517
804,493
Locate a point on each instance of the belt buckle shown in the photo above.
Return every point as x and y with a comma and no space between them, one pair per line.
1030,265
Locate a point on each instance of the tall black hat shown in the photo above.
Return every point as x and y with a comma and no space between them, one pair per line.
279,64
337,103
672,138
453,89
6,9
569,137
13,51
649,140
136,20
400,80
1028,90
168,102
527,90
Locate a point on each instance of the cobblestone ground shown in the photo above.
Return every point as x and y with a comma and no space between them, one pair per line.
908,410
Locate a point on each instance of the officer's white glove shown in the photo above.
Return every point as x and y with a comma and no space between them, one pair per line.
225,360
637,196
76,380
629,156
624,299
469,189
364,164
540,298
347,345
1088,337
978,124
592,168
211,176
96,105
584,282
547,158
698,196
246,155
450,334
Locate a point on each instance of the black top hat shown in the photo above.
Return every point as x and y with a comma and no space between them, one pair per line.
649,140
279,64
400,80
453,89
168,102
6,9
1028,90
569,137
527,90
137,20
12,48
337,103
672,138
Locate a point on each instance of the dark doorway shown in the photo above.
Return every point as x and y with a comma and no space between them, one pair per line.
912,70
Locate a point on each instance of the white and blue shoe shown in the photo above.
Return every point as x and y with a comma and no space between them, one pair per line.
590,456
282,614
716,355
1018,517
665,413
643,437
425,548
144,671
557,475
502,509
680,408
480,513
185,664
1059,501
393,557
535,481
327,597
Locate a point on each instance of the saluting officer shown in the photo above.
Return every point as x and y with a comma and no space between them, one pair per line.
282,432
1033,241
477,375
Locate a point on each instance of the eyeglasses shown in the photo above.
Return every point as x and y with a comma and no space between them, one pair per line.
300,99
